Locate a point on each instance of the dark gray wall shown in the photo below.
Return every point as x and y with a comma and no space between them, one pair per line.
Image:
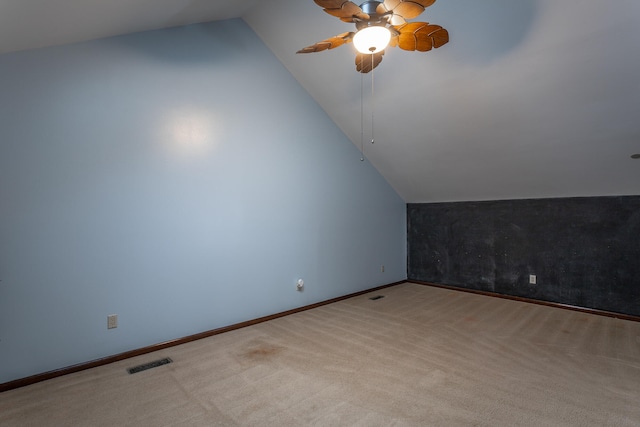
584,251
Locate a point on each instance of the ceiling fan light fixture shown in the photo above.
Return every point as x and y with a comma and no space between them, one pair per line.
372,39
380,24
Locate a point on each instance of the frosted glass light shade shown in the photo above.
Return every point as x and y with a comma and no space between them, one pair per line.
371,39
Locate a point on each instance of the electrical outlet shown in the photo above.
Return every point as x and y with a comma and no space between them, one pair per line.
533,279
382,269
112,321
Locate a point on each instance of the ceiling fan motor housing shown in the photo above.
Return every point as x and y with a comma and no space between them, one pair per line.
370,8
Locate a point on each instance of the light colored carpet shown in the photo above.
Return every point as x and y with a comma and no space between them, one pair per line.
421,356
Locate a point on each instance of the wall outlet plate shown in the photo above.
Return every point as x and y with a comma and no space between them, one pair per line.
112,321
533,279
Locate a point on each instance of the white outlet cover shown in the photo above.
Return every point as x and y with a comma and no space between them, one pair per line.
112,321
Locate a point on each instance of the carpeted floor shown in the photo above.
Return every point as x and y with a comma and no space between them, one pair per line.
420,356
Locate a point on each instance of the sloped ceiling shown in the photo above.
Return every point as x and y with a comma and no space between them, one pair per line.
530,99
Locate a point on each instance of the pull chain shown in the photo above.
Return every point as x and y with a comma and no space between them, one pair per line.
361,110
372,100
362,105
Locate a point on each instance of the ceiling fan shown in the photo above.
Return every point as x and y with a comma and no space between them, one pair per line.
388,19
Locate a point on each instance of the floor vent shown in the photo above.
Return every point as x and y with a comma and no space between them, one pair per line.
376,297
149,365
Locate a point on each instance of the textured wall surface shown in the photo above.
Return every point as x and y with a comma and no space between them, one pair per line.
584,251
182,179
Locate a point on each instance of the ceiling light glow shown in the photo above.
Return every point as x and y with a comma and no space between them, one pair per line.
372,39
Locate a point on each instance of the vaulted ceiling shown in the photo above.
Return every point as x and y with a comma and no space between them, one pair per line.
529,99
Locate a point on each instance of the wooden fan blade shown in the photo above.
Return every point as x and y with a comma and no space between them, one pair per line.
394,40
407,9
421,36
330,43
345,10
397,20
364,61
330,4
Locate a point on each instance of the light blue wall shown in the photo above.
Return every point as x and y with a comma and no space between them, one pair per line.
181,179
